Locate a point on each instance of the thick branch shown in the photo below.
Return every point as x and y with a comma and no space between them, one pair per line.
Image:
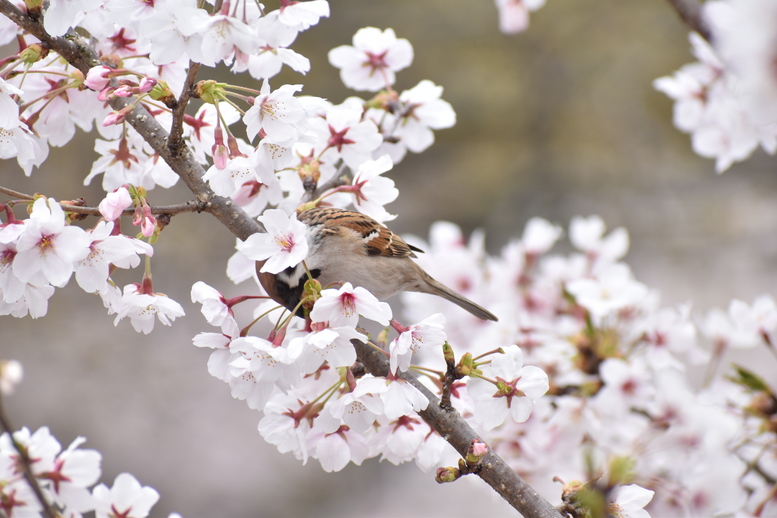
454,429
690,12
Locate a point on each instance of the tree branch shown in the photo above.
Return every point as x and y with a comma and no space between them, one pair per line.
454,429
690,12
448,423
176,129
172,210
24,461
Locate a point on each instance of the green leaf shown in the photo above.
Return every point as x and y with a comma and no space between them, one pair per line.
749,380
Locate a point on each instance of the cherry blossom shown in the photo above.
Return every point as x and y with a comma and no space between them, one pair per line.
18,498
514,14
373,59
128,161
283,245
224,35
335,450
19,142
539,236
514,394
346,135
74,471
273,38
629,502
342,307
257,368
214,307
427,333
9,110
173,31
399,397
587,234
61,15
331,345
614,288
423,111
755,322
373,191
357,410
11,373
226,180
712,104
126,497
401,438
105,250
143,309
278,113
54,109
114,203
302,15
48,246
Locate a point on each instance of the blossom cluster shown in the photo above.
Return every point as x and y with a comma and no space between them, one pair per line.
67,479
727,100
620,367
43,252
617,381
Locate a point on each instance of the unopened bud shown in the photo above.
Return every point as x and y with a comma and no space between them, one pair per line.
476,451
447,353
33,6
448,474
467,366
161,92
210,91
33,53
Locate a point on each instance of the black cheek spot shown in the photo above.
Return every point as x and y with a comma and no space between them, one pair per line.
292,296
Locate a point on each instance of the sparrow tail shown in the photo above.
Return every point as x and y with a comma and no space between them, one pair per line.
437,288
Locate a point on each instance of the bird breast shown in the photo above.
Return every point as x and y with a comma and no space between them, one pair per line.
341,256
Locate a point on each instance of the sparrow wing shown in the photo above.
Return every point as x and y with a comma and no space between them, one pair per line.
377,238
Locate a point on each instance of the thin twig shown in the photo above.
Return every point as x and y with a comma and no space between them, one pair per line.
172,210
450,376
24,460
315,191
690,12
179,112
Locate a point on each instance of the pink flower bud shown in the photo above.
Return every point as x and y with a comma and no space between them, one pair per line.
113,118
147,84
97,78
114,203
145,219
124,91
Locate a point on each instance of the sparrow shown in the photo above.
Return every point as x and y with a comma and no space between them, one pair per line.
348,246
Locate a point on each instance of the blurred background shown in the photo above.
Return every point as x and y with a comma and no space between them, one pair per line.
559,121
